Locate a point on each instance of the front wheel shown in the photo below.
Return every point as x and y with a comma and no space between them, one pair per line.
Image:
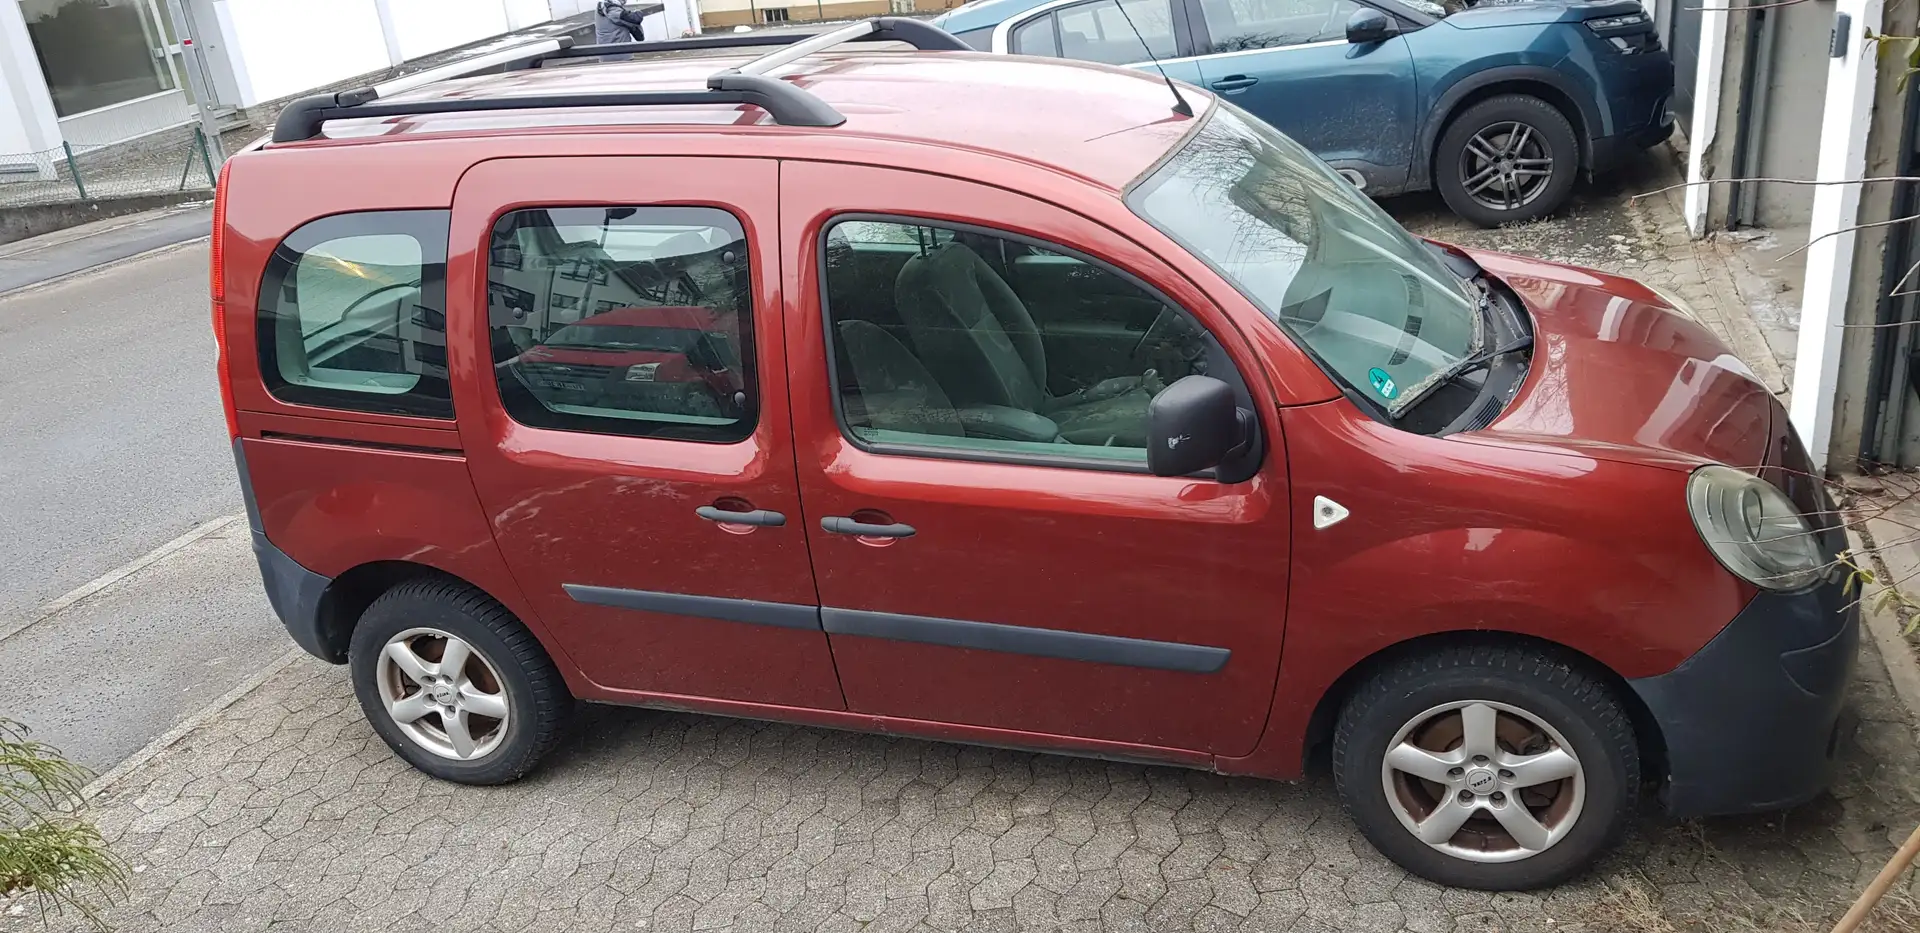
1507,159
1499,768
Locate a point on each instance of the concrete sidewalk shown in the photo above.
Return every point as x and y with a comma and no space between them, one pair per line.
51,256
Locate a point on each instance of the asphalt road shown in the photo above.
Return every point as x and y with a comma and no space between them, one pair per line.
112,443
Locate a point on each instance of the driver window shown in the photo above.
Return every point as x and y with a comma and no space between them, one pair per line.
623,320
1239,25
353,314
962,340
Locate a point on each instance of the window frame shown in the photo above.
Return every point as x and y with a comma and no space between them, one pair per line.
429,227
1184,45
1234,376
1407,18
748,425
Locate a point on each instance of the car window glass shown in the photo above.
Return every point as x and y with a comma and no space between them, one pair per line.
957,339
353,314
1099,31
1238,25
1036,37
623,320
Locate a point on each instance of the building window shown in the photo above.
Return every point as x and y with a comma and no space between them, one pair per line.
774,15
97,53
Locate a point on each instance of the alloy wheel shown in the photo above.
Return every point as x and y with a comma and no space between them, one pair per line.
1506,165
1483,781
444,695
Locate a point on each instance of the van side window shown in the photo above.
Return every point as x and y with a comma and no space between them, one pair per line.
955,341
353,314
624,320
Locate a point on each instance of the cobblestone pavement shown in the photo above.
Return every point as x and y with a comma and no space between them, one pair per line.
286,810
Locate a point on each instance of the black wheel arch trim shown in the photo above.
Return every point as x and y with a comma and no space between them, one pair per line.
1586,121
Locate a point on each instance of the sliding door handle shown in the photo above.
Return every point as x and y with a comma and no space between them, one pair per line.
842,525
762,517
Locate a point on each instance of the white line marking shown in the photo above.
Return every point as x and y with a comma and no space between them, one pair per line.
48,611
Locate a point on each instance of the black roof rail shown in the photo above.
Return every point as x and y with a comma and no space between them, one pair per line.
788,103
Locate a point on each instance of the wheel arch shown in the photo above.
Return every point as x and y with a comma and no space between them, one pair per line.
1320,724
1554,88
348,595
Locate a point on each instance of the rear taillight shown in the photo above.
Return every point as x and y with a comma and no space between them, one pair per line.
217,290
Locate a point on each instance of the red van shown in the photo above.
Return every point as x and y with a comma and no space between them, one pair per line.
1027,403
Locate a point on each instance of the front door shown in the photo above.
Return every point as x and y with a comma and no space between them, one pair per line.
620,382
988,545
1288,62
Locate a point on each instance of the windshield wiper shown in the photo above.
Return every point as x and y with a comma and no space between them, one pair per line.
1482,360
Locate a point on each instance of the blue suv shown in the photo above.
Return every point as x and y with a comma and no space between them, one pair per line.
1500,106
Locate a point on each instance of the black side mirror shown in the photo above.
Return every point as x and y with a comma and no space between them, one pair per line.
1370,25
1194,424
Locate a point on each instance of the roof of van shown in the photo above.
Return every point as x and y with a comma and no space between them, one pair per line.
1105,124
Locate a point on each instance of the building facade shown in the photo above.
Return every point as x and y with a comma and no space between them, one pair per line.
94,73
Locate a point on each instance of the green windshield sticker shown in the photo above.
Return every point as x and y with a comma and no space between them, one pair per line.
1382,383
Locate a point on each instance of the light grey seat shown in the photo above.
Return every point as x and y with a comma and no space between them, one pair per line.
978,340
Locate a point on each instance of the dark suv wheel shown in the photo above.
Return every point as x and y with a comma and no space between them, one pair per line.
1493,767
455,684
1506,159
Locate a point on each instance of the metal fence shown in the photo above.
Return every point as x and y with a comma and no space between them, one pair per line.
165,162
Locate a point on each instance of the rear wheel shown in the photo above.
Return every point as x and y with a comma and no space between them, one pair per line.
1507,159
455,684
1487,767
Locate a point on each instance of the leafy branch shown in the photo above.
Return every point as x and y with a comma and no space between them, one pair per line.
47,849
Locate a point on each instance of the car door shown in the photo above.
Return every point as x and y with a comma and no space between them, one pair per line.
620,383
1133,35
1289,63
976,567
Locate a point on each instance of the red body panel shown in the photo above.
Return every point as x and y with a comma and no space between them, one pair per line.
610,511
1564,520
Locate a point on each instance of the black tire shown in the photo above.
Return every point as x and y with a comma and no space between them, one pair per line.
537,700
1580,707
1552,132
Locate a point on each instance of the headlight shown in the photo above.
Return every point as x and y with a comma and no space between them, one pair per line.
1610,23
1753,528
1675,302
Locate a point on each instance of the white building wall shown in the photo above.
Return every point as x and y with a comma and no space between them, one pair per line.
27,120
279,48
423,27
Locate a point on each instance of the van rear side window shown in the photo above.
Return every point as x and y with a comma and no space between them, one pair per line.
353,314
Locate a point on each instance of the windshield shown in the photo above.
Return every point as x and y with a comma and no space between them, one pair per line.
1372,304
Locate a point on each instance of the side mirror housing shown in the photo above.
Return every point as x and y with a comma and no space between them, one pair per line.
1370,25
1195,424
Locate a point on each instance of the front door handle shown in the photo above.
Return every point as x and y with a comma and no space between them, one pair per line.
842,525
1232,83
762,517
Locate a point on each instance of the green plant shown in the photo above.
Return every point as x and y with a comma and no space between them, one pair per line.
48,850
